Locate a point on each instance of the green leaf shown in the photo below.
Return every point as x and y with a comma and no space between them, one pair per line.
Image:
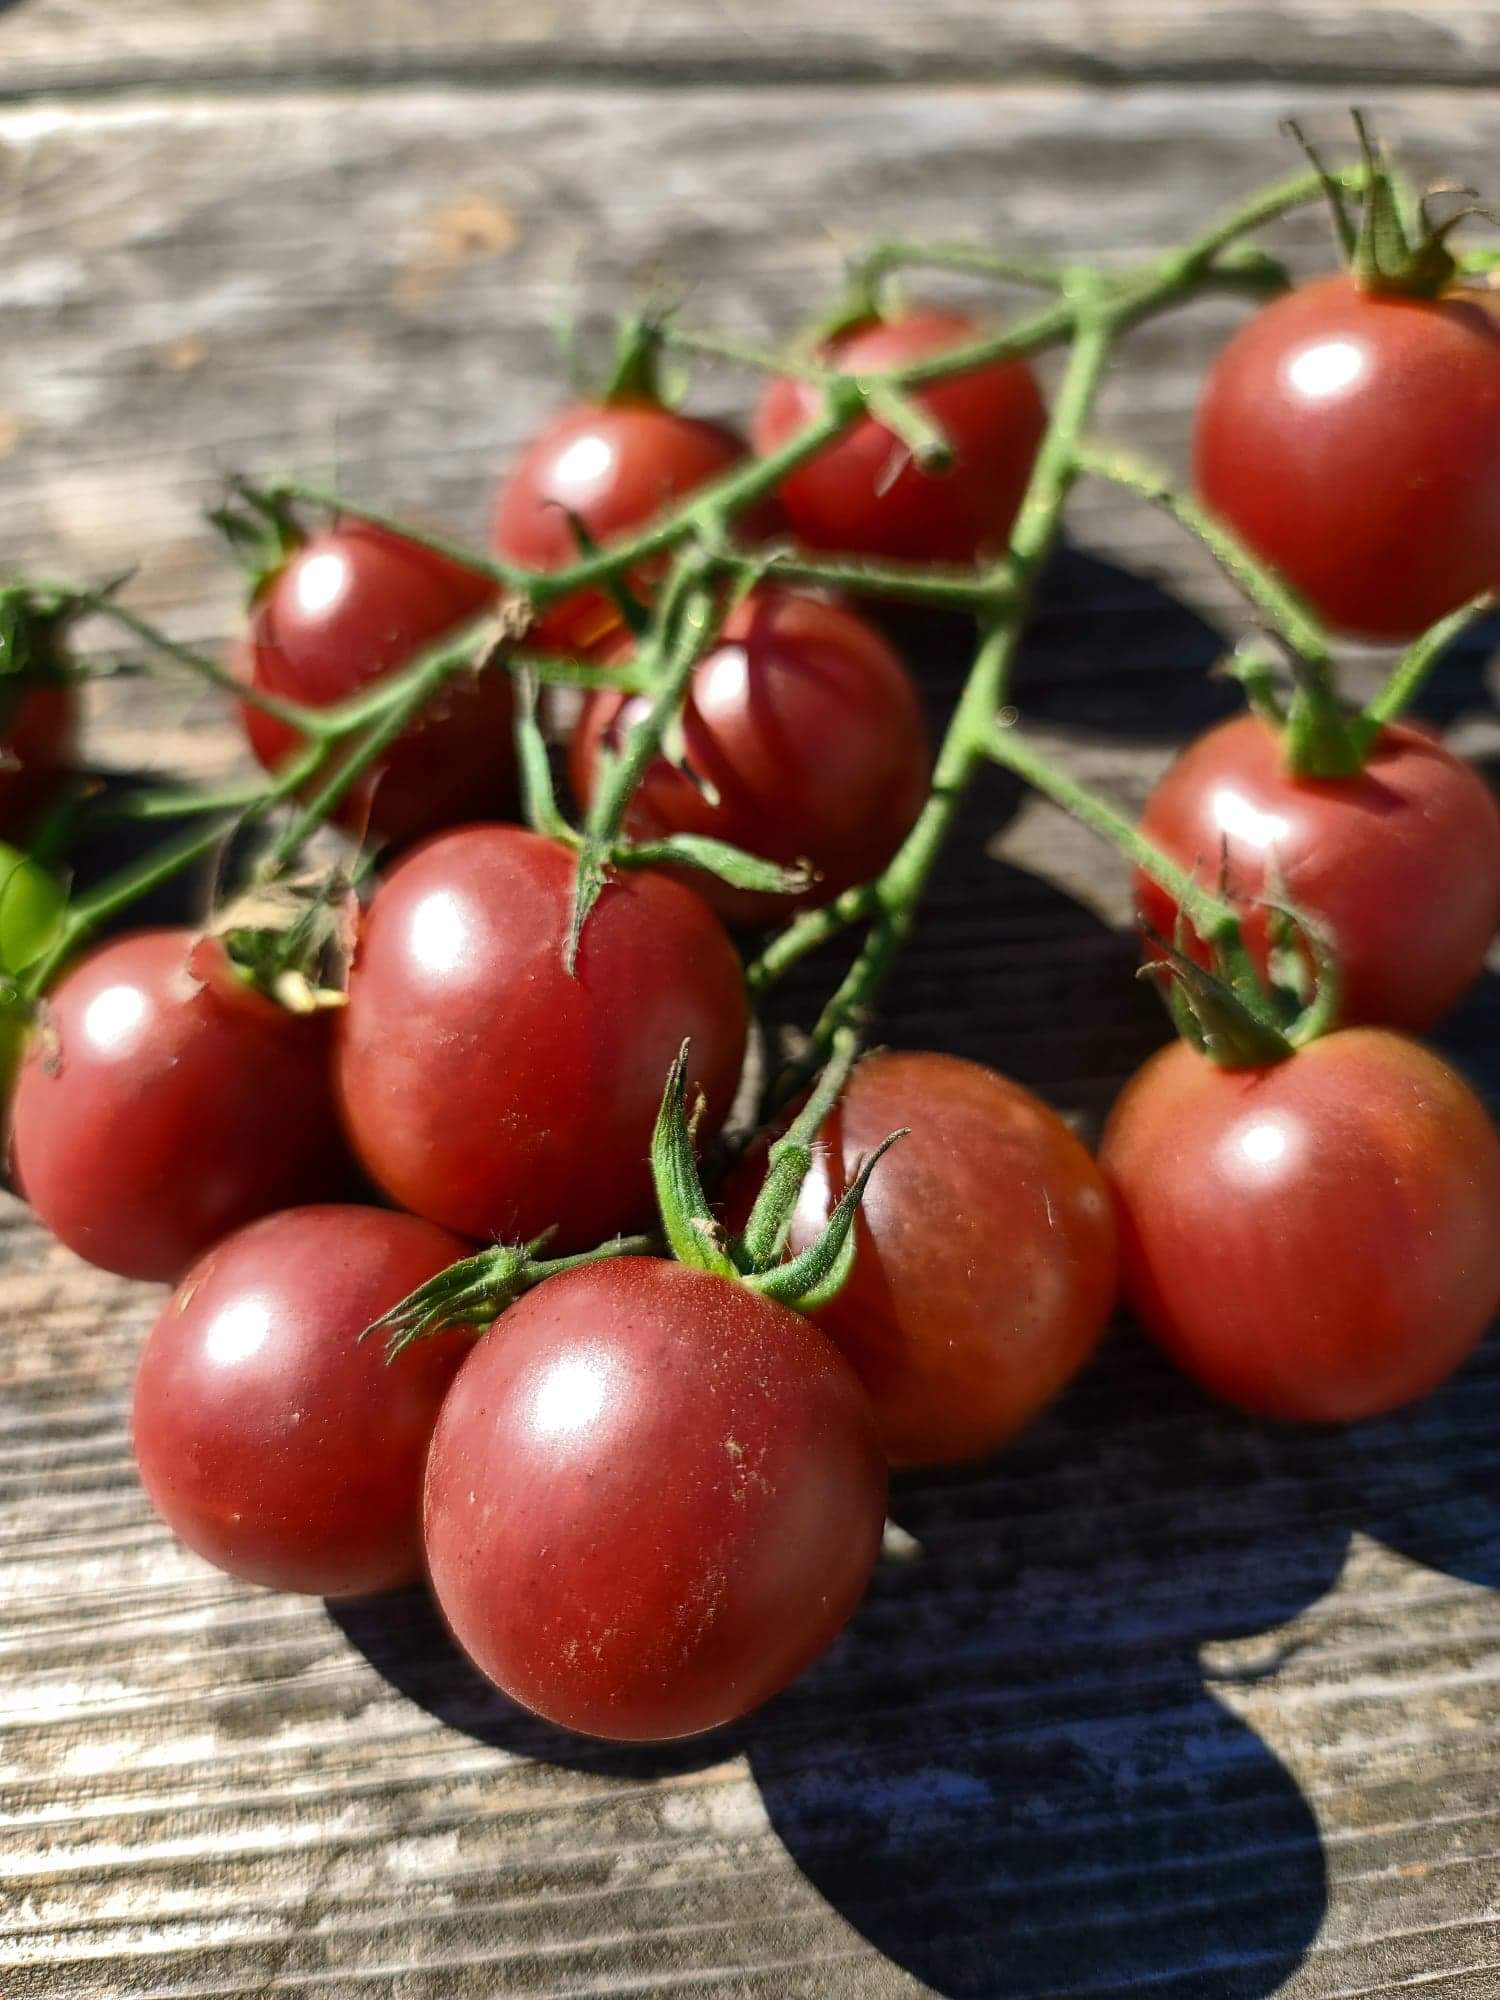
538,798
717,858
588,886
692,1234
789,1161
634,614
820,1272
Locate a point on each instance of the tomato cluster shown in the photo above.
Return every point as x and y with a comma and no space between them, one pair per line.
654,1491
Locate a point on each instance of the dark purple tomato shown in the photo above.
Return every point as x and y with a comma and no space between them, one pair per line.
37,744
1315,1240
1352,439
984,1272
163,1103
271,1439
807,730
614,467
485,1087
1400,866
864,495
351,606
654,1497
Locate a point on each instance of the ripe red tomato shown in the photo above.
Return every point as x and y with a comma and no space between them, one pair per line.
865,496
1400,865
37,744
809,730
615,466
654,1497
487,1089
1313,1240
985,1267
1352,439
270,1438
351,606
162,1103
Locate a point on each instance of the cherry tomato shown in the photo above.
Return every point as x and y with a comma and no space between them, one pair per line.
808,730
613,466
1352,439
864,495
1400,865
162,1103
271,1439
985,1266
351,606
487,1089
654,1497
37,743
1314,1240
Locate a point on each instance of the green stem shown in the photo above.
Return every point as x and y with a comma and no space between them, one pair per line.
790,1158
1212,918
1419,659
884,258
308,721
898,890
1282,609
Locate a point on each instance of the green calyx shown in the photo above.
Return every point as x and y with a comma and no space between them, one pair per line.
476,1290
755,1257
1233,1017
282,939
261,529
1390,246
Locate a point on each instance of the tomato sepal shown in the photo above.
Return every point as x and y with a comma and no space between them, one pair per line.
262,532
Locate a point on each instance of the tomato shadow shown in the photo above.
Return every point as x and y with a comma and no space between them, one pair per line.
1012,1776
107,839
403,1637
1007,969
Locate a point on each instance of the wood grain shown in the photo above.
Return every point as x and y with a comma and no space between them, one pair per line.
1170,1702
83,45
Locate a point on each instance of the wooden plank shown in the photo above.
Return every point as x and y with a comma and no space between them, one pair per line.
83,45
1170,1701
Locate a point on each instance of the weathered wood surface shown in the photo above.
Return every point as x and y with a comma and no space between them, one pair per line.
82,44
1171,1702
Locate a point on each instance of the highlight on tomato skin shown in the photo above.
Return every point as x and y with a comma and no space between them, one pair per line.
271,1440
863,495
350,606
1398,865
803,739
985,1266
483,1085
1352,439
611,467
160,1106
1315,1240
654,1497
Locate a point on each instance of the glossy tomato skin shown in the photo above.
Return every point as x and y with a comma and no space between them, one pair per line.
985,1269
485,1088
864,496
1399,865
615,466
1316,1240
37,745
271,1439
1352,439
654,1497
162,1104
351,606
810,732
